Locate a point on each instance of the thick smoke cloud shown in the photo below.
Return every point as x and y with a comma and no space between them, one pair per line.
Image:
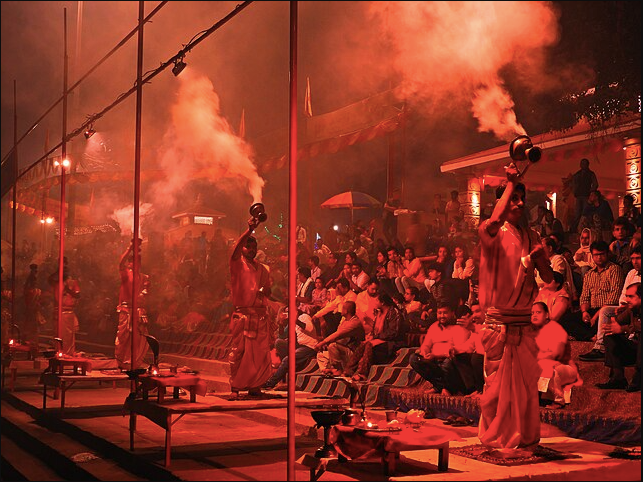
200,140
452,54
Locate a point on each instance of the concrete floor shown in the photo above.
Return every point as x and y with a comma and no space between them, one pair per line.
252,445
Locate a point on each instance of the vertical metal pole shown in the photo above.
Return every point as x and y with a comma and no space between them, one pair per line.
76,149
15,205
137,180
63,157
292,241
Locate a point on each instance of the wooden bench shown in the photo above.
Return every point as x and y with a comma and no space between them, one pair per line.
31,366
162,414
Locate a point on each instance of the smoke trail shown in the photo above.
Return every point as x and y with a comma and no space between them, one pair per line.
125,218
451,54
202,143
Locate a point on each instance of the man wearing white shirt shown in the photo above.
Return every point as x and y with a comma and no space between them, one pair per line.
305,288
313,264
366,302
306,341
359,278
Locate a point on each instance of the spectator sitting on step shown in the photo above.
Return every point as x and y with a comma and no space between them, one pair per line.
558,263
315,269
305,287
388,335
395,266
361,252
623,344
558,372
583,256
597,216
332,270
328,317
468,353
630,211
334,351
305,351
319,296
413,308
359,278
577,276
602,286
433,360
556,297
621,246
597,353
366,303
439,290
414,274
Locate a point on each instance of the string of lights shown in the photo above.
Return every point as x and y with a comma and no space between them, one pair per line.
87,74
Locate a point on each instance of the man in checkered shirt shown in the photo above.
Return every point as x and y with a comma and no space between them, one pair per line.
602,286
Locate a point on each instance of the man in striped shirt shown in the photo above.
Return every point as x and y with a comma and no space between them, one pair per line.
510,254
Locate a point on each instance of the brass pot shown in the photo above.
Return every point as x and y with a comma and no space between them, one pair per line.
350,417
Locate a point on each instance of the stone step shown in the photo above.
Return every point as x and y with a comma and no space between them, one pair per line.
18,463
66,457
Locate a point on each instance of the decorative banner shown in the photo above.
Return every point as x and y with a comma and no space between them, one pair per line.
632,148
471,205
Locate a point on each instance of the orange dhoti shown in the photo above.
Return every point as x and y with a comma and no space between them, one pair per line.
123,343
249,358
510,415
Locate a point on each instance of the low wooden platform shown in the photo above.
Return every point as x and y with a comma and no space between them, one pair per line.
162,414
63,382
24,366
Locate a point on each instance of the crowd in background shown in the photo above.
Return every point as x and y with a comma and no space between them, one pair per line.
368,293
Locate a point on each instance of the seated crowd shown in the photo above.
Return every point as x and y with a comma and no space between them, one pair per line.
356,310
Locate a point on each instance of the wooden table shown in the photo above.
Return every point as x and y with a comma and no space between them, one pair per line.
354,443
77,365
11,354
65,381
191,383
162,414
15,365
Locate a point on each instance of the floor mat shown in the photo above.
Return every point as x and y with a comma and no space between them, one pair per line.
245,396
484,454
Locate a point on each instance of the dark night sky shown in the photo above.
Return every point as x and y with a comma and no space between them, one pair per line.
349,50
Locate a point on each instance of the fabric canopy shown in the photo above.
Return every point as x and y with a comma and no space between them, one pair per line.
351,200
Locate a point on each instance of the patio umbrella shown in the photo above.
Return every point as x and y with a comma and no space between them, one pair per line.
351,200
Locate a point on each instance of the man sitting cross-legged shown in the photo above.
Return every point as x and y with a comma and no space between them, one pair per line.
334,351
623,343
305,351
327,318
433,360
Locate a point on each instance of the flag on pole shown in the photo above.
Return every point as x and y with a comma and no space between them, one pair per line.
308,106
242,124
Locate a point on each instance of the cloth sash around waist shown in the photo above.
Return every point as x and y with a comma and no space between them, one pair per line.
509,323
